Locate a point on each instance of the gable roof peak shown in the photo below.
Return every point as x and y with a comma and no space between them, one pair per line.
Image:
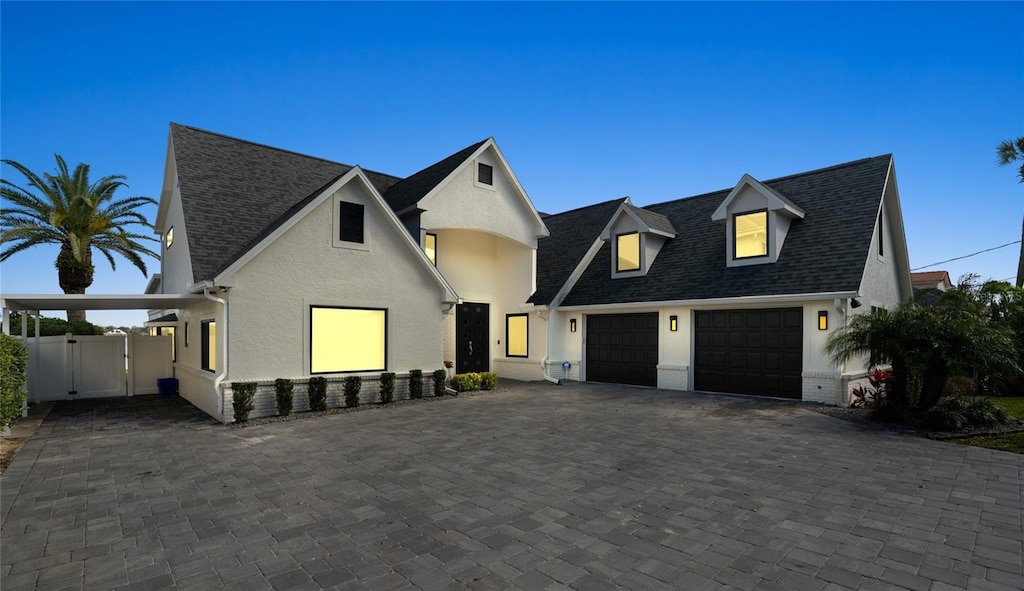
776,200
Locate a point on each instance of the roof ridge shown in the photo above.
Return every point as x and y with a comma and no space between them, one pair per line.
777,179
276,149
616,200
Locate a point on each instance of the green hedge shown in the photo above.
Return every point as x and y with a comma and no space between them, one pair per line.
51,327
352,386
387,387
440,380
13,372
416,384
242,395
470,382
283,391
317,393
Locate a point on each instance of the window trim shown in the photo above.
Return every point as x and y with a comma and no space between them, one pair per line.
639,254
428,235
348,371
767,235
509,317
204,344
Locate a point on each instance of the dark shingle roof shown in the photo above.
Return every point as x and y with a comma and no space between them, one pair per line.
572,234
235,192
824,252
408,191
655,221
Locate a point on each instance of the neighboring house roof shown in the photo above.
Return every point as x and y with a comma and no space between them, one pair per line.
930,278
235,193
824,253
408,191
572,234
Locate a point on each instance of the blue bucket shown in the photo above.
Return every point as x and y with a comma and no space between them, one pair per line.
167,386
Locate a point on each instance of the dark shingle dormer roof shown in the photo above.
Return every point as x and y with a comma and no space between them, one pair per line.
654,220
571,235
824,252
407,192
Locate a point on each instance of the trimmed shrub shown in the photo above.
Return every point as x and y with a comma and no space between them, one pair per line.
387,387
283,392
440,379
242,396
488,380
351,388
466,382
13,371
317,390
52,327
966,412
416,384
959,386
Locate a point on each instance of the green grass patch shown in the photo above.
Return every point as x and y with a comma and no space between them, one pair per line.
1013,406
1013,442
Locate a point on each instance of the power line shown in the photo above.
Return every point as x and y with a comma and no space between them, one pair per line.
968,255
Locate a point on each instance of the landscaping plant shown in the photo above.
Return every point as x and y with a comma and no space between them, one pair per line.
13,371
242,397
387,387
283,389
488,380
967,412
351,388
416,384
440,380
317,389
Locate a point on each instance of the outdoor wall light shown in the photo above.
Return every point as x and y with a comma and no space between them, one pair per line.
855,303
673,323
823,320
572,325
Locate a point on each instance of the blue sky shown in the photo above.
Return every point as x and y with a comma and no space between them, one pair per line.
587,101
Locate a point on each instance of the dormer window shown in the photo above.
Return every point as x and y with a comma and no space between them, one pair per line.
627,249
751,234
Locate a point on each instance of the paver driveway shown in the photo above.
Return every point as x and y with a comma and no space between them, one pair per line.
539,487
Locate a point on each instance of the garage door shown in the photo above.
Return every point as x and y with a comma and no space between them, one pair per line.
623,348
749,351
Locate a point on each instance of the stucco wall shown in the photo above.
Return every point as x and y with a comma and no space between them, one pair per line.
880,286
175,262
271,298
195,384
464,203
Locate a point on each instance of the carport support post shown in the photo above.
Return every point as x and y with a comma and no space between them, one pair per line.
24,341
35,370
6,327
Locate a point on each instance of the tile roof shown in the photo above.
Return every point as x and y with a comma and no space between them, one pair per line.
824,252
236,192
408,191
929,277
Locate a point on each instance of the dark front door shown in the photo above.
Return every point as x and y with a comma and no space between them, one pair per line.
473,337
623,348
749,351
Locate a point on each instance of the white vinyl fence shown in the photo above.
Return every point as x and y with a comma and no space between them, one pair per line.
77,367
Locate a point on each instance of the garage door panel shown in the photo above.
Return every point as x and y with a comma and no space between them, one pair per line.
623,348
749,351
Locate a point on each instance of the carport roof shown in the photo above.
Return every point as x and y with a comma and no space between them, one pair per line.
38,303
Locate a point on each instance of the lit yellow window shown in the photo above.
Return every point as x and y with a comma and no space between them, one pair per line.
517,335
430,246
628,252
208,346
751,230
169,239
169,330
347,339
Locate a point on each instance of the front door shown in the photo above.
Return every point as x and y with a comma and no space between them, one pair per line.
473,326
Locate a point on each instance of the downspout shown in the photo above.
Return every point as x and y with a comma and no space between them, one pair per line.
547,349
222,354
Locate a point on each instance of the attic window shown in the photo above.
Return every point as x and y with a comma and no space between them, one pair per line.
881,236
169,238
351,222
627,255
750,231
430,247
485,173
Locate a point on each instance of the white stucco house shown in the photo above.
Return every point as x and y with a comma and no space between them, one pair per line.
310,267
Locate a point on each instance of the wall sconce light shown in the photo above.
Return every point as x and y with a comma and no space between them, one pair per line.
855,303
673,323
823,320
572,325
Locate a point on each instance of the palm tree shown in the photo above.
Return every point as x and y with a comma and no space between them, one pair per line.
66,209
1013,151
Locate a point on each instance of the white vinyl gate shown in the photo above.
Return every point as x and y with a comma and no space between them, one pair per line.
77,367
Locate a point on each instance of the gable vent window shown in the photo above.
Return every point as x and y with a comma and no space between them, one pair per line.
627,247
430,247
485,173
751,234
169,239
351,222
881,236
